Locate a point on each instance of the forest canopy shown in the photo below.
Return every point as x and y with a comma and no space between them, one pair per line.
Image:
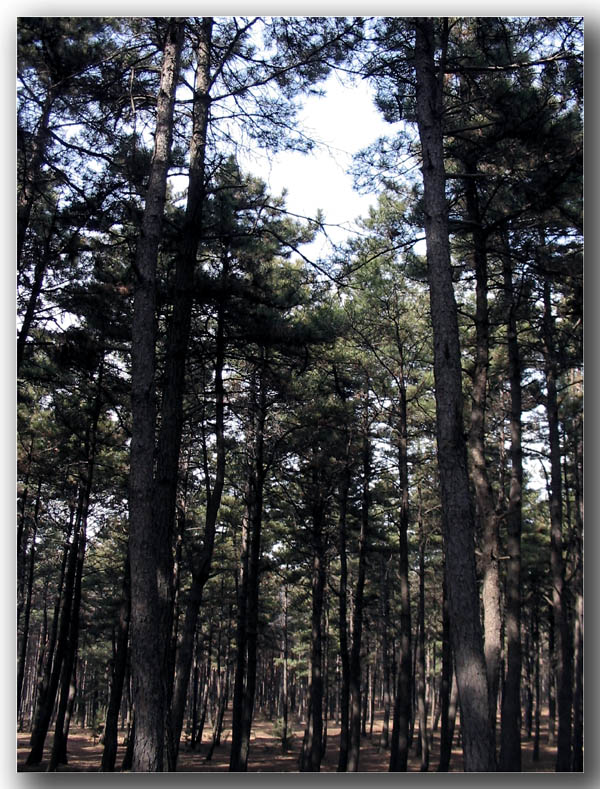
341,495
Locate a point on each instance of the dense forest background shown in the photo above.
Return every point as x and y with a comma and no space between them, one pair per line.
255,484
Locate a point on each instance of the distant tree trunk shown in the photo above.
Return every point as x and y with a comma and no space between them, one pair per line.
578,588
27,612
148,640
313,742
357,623
402,705
457,517
420,656
109,754
384,603
343,618
245,681
510,751
564,657
59,747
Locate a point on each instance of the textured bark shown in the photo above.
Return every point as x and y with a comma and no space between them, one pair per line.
564,654
457,516
510,751
402,706
384,613
32,171
343,618
109,754
357,623
420,656
200,566
148,640
27,612
484,495
245,679
447,674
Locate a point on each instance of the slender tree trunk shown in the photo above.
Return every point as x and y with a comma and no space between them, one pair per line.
166,477
510,752
201,566
578,587
148,640
343,619
564,671
384,602
245,681
484,495
420,657
54,659
32,169
402,706
109,754
59,746
27,613
457,517
357,624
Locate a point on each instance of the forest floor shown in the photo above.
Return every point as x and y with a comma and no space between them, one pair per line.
85,752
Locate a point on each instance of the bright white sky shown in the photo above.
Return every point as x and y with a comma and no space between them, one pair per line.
344,121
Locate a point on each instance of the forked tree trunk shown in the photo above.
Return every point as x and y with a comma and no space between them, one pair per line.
148,640
457,516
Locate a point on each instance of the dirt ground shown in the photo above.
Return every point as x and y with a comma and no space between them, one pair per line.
85,752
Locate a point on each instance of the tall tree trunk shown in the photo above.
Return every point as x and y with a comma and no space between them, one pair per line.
564,669
201,565
402,706
343,617
384,603
109,754
457,517
145,545
578,591
420,657
245,681
484,495
54,659
32,170
447,727
59,746
357,624
313,745
27,613
177,341
510,752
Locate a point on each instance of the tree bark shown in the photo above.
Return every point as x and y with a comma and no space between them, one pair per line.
343,617
402,706
357,624
564,657
457,516
484,495
109,754
510,751
148,640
